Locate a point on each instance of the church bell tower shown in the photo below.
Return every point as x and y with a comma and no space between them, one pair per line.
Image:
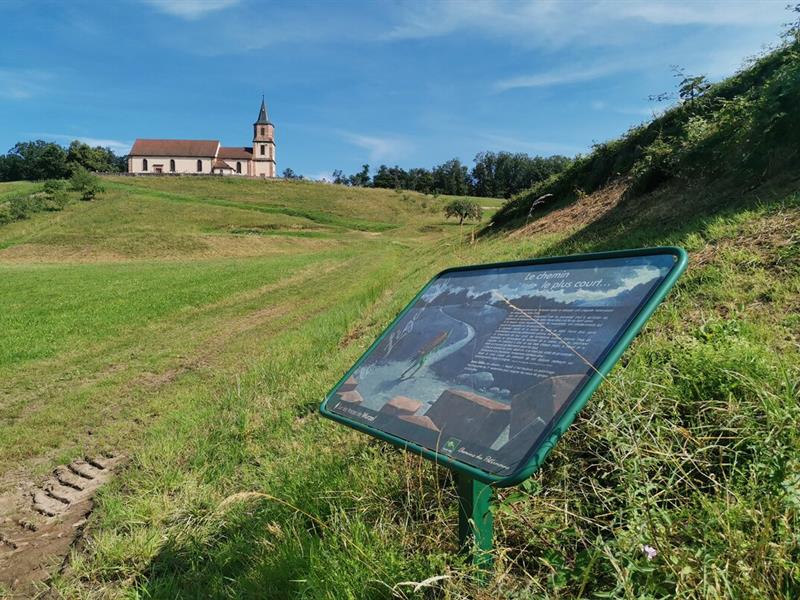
264,144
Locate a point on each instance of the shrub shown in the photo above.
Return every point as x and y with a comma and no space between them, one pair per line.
88,184
656,166
55,195
19,208
5,214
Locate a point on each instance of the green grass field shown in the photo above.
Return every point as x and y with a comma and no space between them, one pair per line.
194,324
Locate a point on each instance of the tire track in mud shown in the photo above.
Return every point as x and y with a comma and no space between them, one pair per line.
39,524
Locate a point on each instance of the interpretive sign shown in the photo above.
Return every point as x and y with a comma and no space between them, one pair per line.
489,364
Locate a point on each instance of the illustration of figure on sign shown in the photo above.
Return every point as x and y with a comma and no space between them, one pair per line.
424,353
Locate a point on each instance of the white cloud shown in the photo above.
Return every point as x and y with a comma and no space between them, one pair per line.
21,84
380,148
118,146
715,13
553,78
190,9
553,24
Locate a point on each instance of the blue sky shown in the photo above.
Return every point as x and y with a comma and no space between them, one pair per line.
395,82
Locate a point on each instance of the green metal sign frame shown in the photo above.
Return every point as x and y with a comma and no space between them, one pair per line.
474,485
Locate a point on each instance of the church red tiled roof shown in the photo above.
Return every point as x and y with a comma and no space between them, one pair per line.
235,152
221,164
199,148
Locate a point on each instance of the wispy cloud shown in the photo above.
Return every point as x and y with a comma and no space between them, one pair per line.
118,146
21,84
190,9
380,147
553,24
719,12
553,78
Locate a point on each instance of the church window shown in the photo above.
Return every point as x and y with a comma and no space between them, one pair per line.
171,165
262,131
263,150
199,166
238,167
144,164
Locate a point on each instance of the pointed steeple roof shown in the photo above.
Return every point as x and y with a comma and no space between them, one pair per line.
262,114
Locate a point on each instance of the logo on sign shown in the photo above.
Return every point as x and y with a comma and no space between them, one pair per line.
451,445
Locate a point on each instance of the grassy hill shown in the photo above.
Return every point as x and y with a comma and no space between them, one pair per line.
193,324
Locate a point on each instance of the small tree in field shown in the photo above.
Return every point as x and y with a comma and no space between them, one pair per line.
88,184
55,194
463,209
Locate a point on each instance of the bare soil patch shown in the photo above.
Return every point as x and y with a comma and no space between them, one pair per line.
579,213
40,523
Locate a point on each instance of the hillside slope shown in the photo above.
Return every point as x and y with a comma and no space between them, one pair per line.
691,448
120,311
743,130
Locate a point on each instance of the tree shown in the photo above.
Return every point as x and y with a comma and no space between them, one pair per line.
290,174
391,178
451,178
55,194
88,184
11,167
692,87
38,160
463,209
503,174
97,159
420,180
361,178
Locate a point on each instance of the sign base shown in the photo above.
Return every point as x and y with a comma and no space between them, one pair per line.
475,520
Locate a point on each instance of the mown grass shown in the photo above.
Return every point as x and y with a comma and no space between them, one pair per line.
207,371
237,488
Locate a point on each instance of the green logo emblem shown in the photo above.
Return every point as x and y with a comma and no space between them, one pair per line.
451,445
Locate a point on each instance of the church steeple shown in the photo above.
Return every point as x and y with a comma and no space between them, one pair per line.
264,144
262,114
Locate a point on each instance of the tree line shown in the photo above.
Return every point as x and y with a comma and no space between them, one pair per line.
494,174
39,160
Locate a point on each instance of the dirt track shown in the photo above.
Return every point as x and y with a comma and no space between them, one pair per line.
40,523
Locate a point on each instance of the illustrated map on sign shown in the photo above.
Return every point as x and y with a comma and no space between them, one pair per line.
485,359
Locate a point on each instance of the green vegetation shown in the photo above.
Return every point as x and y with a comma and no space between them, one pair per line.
86,183
19,201
463,209
195,323
745,128
495,175
38,160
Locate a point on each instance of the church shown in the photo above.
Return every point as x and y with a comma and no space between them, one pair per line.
207,157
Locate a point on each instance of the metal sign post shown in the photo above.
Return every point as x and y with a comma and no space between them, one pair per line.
475,520
489,364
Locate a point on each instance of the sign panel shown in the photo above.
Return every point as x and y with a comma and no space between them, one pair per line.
487,361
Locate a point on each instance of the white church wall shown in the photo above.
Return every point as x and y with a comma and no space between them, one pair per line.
182,164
